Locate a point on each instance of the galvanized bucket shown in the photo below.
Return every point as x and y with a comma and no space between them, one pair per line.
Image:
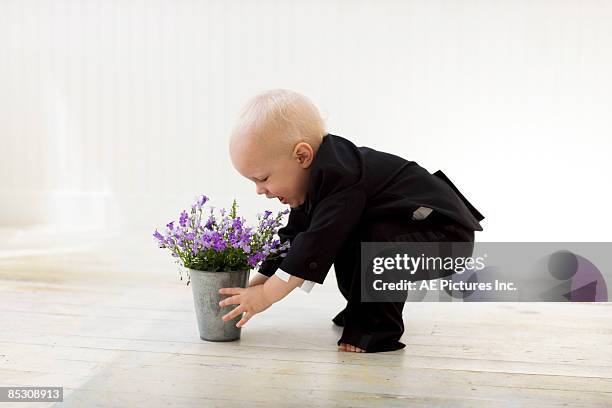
205,286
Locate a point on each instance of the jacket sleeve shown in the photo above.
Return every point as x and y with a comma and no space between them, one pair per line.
295,224
334,218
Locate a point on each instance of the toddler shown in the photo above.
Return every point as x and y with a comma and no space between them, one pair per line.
340,195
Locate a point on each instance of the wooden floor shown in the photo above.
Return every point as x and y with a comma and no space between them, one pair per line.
108,319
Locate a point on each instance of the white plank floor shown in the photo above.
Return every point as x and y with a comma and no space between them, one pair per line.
107,318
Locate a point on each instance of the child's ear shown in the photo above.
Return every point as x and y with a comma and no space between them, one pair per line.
304,154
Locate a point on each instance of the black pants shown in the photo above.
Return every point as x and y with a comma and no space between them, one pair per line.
378,326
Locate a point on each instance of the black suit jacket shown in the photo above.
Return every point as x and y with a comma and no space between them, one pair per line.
350,185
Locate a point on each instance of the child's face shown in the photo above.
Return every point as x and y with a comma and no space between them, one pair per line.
282,175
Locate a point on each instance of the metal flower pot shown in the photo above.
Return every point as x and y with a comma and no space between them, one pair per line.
205,286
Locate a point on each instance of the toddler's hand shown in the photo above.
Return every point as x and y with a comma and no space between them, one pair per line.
258,279
251,301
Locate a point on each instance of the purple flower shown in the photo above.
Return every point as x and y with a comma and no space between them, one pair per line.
237,224
219,244
183,219
206,240
210,223
255,258
159,237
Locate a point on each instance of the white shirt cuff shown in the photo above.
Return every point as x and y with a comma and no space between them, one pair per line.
306,285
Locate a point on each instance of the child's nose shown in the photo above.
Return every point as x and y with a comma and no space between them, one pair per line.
261,190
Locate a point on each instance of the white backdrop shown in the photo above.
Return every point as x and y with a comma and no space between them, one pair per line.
117,113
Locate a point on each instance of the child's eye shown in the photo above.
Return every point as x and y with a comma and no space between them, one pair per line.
264,179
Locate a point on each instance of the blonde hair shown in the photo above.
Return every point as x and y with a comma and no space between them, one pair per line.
280,115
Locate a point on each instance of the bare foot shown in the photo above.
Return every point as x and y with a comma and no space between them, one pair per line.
350,347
